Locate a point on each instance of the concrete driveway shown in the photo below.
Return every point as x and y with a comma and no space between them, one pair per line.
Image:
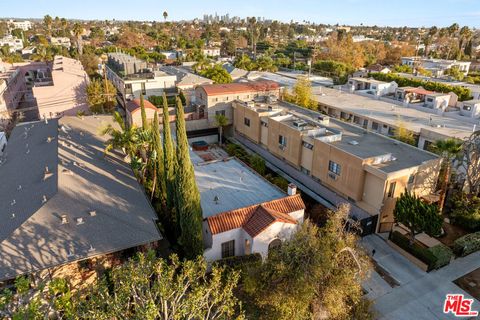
419,295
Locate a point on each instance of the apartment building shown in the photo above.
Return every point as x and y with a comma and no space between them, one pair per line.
13,43
218,98
211,52
64,93
384,116
471,109
436,66
61,41
12,90
366,169
24,25
132,77
62,202
425,98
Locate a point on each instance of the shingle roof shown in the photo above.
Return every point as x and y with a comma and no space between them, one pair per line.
134,105
254,219
232,88
105,207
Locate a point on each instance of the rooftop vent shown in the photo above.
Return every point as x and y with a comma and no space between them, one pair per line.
299,123
47,174
353,142
13,202
80,220
44,199
93,213
67,172
64,219
216,200
50,139
12,216
91,249
19,187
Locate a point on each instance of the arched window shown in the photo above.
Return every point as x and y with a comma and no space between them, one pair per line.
275,244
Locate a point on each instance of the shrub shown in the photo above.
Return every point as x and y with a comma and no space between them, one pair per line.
466,212
258,164
442,253
467,244
237,262
418,251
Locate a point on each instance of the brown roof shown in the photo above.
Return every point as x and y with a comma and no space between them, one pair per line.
418,91
254,219
134,105
375,67
232,88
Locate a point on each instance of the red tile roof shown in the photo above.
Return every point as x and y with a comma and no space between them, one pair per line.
232,88
134,105
254,219
418,91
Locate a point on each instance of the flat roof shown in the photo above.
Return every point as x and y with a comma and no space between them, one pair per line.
233,88
392,114
232,183
365,145
81,180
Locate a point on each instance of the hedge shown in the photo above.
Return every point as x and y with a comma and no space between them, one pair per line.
237,262
466,212
462,93
443,254
467,244
434,257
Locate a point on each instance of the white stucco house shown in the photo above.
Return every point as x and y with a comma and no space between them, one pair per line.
471,109
243,213
371,86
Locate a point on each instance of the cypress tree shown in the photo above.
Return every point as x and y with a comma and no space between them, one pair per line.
169,158
144,114
189,211
158,165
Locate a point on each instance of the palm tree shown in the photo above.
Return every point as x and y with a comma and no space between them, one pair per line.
221,121
47,20
64,24
165,15
77,32
449,150
121,137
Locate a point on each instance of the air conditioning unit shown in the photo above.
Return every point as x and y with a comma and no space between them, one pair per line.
281,146
332,176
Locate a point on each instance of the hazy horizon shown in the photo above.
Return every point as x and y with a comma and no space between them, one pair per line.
409,13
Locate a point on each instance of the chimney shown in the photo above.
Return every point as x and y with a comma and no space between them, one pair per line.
292,189
64,219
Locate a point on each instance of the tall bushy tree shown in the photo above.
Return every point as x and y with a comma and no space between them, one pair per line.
417,215
169,159
158,185
189,211
143,112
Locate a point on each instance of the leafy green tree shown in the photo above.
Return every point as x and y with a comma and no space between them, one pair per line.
189,211
99,95
318,271
221,121
403,134
90,63
417,215
302,94
450,150
217,74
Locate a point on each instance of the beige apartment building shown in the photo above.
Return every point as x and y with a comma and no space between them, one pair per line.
365,168
217,98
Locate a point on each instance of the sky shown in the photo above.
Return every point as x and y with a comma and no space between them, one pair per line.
415,13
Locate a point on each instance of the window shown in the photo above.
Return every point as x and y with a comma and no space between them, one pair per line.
228,249
391,189
391,131
226,99
274,245
128,88
334,167
282,141
263,123
215,99
307,145
144,91
246,121
374,126
411,179
220,112
467,108
429,99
